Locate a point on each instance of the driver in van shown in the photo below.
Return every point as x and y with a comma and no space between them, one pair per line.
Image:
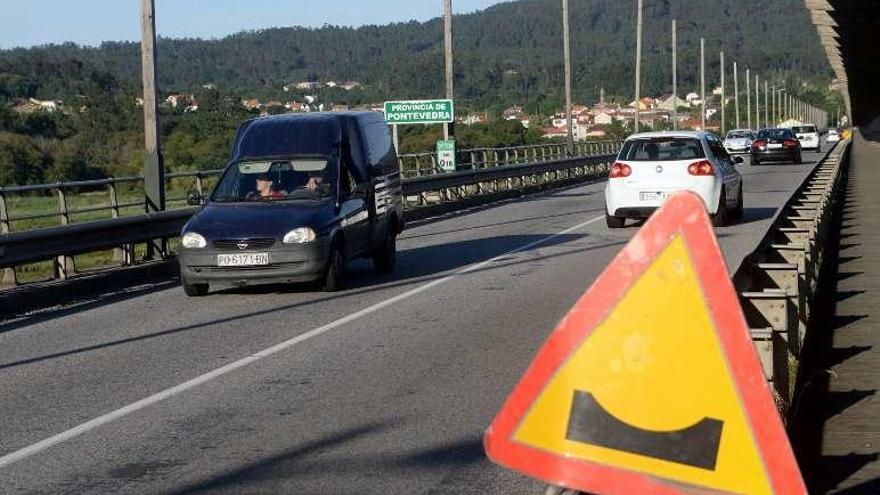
266,188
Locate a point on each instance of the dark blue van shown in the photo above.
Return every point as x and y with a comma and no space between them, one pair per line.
301,195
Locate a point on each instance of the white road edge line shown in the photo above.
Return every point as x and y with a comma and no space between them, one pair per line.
95,423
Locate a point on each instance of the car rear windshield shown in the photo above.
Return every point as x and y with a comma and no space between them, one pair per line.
738,135
775,134
662,149
803,129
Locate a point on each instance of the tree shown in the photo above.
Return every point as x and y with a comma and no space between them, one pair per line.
20,160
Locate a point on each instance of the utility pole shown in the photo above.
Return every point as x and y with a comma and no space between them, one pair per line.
703,82
569,141
638,63
736,93
723,109
767,104
757,103
772,105
448,129
749,98
674,76
154,168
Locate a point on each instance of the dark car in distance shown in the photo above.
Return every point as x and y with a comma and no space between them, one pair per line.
301,196
775,145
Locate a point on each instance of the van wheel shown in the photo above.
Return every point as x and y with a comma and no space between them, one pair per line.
194,290
719,219
335,269
385,258
614,222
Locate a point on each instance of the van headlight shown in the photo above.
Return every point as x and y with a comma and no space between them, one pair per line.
191,240
302,235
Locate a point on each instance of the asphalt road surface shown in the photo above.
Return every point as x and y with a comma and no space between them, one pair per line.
383,388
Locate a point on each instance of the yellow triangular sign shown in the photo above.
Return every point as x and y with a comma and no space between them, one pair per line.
651,383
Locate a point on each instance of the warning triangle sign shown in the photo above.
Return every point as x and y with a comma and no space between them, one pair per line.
651,383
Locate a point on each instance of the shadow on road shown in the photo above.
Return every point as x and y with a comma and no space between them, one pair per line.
420,265
281,465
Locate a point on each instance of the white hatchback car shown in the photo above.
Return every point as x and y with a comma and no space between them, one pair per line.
652,166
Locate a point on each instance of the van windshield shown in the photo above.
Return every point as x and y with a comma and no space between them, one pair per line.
276,180
662,149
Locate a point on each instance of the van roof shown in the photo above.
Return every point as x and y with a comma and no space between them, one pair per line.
317,133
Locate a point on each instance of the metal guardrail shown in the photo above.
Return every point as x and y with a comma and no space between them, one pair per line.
62,242
111,189
106,194
425,164
778,282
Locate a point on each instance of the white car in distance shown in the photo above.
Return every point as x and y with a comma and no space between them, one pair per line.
808,136
739,140
652,166
833,136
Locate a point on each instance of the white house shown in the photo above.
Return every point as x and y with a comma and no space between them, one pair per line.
603,118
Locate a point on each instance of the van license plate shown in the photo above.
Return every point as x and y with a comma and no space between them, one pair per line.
653,196
243,259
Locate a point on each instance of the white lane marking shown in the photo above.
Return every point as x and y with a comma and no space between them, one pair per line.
76,431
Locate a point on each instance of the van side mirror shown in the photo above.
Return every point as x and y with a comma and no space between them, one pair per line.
193,198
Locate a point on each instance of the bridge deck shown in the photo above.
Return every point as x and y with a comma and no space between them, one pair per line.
841,405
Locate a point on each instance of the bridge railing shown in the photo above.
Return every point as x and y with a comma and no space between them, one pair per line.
29,207
779,281
109,223
423,164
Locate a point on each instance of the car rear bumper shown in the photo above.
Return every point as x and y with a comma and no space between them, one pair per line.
624,201
775,155
287,264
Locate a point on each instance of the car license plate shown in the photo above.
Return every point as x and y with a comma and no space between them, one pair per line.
243,259
653,196
773,146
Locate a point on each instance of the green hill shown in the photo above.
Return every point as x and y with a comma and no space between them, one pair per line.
508,53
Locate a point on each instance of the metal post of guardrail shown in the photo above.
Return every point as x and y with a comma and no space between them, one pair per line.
125,253
7,276
64,267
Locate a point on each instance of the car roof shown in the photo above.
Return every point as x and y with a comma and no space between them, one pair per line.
739,130
650,135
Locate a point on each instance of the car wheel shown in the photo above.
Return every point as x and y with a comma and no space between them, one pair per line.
738,212
719,219
755,162
335,269
195,290
614,222
385,258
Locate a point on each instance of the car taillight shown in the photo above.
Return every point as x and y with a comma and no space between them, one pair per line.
702,168
620,170
759,143
790,143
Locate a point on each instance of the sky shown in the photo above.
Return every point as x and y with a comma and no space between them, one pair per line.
36,22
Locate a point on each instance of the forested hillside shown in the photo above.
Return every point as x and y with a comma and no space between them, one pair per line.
510,52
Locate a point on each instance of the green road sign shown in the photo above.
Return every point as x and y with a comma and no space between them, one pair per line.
446,155
419,112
